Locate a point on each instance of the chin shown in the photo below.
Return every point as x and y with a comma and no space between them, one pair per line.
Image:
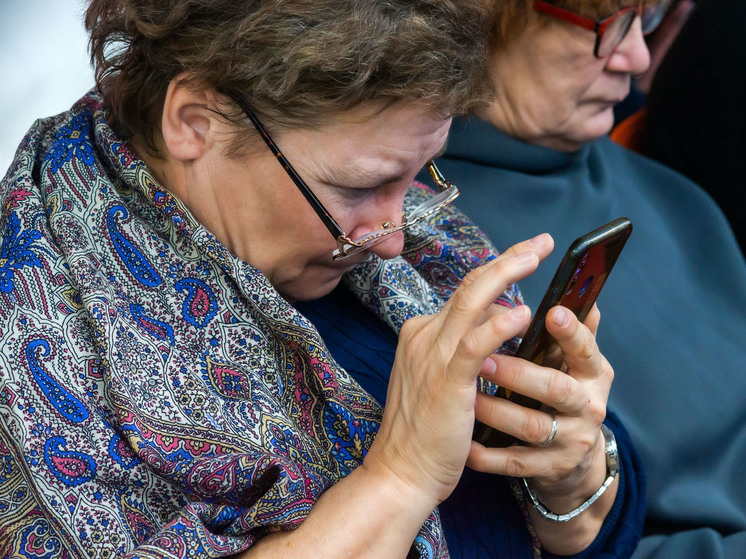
594,128
308,289
602,124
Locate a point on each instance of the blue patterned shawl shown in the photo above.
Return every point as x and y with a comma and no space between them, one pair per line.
158,397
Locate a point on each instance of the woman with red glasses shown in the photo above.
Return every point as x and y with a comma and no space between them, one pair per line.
538,158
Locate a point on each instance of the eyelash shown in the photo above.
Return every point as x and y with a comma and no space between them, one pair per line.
352,194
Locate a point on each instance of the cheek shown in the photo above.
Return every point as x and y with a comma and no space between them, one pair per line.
582,98
306,223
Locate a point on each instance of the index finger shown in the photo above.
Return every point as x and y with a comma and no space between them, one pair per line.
482,286
541,244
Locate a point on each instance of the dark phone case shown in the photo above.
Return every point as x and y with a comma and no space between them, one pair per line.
576,285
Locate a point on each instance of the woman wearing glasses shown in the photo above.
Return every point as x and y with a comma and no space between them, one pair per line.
161,397
537,159
674,309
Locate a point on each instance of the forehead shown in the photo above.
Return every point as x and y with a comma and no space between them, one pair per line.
370,147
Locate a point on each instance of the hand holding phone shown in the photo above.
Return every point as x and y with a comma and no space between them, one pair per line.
576,285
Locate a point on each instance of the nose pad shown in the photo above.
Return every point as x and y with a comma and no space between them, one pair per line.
379,213
369,226
384,211
385,247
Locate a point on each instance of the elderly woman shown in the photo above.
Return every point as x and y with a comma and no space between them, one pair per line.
161,396
537,159
675,309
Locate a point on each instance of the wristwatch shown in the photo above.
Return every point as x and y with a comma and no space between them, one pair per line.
612,469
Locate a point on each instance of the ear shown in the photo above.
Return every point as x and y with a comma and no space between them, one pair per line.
187,121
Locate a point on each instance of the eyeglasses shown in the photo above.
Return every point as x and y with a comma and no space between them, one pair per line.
611,30
346,246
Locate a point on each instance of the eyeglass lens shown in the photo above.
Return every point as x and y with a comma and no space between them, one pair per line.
651,17
615,33
423,210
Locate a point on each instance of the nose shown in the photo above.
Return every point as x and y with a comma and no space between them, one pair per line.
379,214
389,247
631,55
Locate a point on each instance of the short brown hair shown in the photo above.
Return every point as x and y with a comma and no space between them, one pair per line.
291,61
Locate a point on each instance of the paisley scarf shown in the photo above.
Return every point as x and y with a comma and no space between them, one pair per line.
158,397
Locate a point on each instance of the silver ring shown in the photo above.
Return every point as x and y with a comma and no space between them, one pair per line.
550,438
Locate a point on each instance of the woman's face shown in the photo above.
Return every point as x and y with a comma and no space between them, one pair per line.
358,165
552,91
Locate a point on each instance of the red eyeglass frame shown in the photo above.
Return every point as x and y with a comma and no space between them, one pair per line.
599,26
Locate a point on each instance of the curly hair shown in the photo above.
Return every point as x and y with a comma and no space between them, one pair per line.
292,61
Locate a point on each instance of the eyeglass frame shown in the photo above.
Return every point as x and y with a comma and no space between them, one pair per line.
599,26
343,241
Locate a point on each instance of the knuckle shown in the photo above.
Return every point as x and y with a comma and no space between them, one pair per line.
496,326
463,300
597,412
588,348
607,372
478,459
507,374
472,276
560,388
413,326
410,332
533,428
563,470
587,444
489,413
415,340
469,345
514,466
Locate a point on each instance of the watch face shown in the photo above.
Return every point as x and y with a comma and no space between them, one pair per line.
612,454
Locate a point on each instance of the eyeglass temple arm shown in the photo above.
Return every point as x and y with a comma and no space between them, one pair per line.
560,13
439,179
315,203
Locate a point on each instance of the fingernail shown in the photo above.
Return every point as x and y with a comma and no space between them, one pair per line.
520,312
489,366
527,256
539,239
561,316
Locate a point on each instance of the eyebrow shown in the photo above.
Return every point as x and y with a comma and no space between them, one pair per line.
365,178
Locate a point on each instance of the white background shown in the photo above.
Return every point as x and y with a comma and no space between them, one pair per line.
44,65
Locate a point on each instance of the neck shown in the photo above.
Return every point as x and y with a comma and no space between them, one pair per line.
221,198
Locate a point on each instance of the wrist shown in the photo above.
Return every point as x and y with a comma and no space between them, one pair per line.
396,488
561,508
363,515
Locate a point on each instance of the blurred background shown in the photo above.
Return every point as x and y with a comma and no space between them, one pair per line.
44,65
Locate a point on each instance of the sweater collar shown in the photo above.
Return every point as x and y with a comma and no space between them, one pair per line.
472,139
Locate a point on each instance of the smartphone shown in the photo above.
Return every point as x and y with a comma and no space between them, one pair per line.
576,285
